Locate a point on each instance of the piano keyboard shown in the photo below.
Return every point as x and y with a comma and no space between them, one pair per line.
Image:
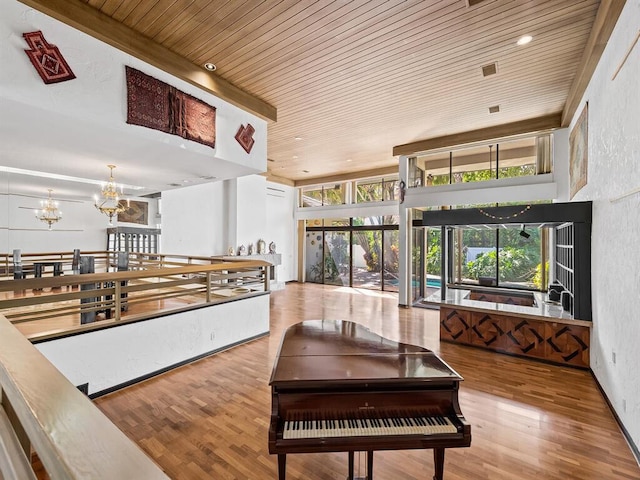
362,427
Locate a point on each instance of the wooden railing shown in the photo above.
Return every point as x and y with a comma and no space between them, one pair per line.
157,283
102,260
41,412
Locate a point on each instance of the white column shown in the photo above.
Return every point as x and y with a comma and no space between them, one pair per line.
404,238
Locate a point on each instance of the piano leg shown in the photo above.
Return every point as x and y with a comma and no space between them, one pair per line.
370,465
438,460
350,477
282,466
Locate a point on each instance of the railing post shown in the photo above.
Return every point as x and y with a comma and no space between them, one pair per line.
208,287
117,303
19,430
265,273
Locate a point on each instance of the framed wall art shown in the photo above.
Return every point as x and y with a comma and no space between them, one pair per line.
136,212
578,153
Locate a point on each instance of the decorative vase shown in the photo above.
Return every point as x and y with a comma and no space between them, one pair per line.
262,247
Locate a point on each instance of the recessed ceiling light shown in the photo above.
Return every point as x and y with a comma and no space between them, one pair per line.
524,40
348,159
210,66
297,138
294,157
305,171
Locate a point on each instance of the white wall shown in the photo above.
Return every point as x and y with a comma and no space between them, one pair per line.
209,219
561,163
613,170
281,228
82,226
194,220
113,356
251,211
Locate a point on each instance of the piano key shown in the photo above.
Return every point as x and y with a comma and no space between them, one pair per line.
356,427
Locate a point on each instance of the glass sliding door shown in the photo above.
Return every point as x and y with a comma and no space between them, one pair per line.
314,255
390,279
336,258
367,258
433,260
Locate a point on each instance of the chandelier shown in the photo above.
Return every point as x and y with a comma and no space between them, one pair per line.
49,212
109,204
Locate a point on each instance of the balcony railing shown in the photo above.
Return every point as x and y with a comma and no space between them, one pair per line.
49,306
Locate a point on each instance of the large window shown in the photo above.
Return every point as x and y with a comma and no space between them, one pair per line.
507,256
508,159
379,189
324,195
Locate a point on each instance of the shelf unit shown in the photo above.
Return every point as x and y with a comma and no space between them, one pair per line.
573,265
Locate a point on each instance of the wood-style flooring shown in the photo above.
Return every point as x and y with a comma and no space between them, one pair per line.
529,420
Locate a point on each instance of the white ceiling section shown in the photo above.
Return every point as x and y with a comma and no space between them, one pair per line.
349,79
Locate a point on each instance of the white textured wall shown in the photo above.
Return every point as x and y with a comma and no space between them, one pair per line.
110,357
561,163
614,169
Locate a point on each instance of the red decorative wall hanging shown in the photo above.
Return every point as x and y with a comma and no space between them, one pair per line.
154,104
245,137
47,59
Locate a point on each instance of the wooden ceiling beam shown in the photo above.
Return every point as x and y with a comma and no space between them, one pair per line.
606,19
531,125
91,21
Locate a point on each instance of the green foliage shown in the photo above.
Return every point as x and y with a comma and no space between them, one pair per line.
537,277
369,240
515,265
376,191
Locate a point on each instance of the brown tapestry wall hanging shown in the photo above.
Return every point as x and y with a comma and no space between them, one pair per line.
244,136
154,104
47,59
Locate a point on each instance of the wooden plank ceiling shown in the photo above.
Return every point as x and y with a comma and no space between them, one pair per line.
352,78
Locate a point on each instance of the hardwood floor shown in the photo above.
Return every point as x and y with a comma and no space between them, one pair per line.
529,420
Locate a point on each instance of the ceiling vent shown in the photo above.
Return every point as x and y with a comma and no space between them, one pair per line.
494,109
490,69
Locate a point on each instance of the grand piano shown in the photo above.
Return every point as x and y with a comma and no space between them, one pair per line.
338,387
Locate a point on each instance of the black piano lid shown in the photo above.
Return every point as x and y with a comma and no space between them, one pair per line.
345,352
